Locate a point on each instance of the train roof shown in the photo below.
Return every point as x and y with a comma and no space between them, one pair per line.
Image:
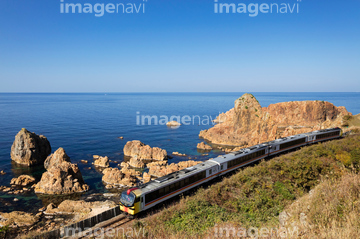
236,154
169,178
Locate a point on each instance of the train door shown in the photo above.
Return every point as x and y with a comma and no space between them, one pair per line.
142,202
274,148
212,171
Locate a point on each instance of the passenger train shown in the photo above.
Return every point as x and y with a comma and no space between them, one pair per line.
143,197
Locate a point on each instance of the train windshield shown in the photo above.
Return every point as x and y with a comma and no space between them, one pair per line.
127,200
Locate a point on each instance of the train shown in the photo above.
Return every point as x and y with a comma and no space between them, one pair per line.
138,199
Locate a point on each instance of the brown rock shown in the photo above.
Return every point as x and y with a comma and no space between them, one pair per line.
23,180
29,148
173,123
136,163
179,154
17,219
125,169
102,161
143,151
248,123
80,208
84,161
2,172
56,159
146,177
61,177
203,146
114,176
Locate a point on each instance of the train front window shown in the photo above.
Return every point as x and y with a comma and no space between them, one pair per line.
127,200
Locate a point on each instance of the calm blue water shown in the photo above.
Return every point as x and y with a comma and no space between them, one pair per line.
88,124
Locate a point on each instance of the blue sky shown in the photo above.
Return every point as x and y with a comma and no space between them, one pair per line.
179,46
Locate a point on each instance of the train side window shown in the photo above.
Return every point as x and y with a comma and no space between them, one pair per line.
172,186
221,167
161,192
177,185
182,182
186,181
166,190
210,171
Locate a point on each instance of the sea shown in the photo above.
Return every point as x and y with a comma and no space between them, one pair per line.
87,124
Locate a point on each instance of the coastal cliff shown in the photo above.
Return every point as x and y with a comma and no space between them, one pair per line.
248,123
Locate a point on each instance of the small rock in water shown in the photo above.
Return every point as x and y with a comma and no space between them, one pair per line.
84,161
15,199
108,186
2,172
121,137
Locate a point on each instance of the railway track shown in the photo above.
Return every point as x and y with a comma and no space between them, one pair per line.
108,228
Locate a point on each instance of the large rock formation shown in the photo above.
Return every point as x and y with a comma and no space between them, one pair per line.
23,180
114,176
248,123
140,150
29,148
61,177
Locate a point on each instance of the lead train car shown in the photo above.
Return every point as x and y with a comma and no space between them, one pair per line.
137,199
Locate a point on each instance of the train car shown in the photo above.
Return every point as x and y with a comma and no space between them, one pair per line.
243,157
137,199
323,135
143,197
288,143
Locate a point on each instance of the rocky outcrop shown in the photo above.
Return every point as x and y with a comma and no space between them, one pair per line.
72,207
56,159
23,180
248,123
115,177
29,148
80,209
136,163
203,146
173,123
61,177
101,161
162,170
17,219
140,150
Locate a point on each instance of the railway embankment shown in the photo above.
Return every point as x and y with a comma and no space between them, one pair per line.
312,191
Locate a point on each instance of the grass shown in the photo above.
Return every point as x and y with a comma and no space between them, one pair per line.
255,196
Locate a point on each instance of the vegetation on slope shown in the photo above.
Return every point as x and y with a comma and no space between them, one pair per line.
255,196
